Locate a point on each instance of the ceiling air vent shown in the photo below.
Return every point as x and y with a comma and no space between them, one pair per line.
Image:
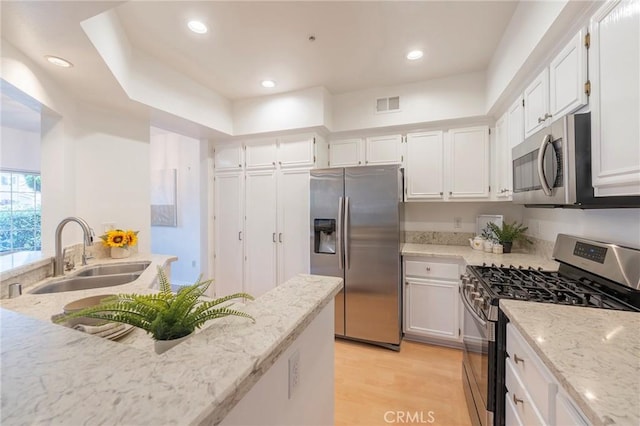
390,104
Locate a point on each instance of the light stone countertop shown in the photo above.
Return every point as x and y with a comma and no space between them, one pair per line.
593,353
477,257
55,375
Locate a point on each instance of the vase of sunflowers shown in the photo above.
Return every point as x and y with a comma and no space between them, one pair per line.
119,241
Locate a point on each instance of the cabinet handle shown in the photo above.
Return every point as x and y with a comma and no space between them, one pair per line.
280,163
280,237
517,400
541,119
517,359
240,165
359,162
428,269
274,163
450,192
547,115
240,235
273,237
441,193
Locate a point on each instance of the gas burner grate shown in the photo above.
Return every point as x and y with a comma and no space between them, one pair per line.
537,285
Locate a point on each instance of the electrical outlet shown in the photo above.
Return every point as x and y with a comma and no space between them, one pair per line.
294,372
457,222
108,226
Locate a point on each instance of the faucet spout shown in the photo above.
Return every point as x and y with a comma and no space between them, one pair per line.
58,265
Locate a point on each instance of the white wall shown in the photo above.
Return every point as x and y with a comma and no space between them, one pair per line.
285,111
434,100
439,216
173,151
20,149
614,225
112,169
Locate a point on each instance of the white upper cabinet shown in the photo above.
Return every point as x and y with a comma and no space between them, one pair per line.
346,153
424,171
515,121
384,150
502,159
614,67
296,151
536,103
567,77
261,154
559,89
228,156
469,162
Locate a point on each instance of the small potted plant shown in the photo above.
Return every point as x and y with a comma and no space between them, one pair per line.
169,317
119,241
509,233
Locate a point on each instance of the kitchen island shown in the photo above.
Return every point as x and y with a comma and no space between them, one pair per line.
594,354
55,375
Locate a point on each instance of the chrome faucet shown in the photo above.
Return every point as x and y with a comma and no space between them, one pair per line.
58,265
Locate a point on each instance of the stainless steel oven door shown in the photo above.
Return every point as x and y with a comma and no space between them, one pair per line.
477,338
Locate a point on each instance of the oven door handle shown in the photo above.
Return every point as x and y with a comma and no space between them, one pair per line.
546,188
473,313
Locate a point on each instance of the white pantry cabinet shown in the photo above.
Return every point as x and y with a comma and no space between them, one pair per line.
261,213
424,174
469,172
559,89
431,300
228,230
614,67
368,151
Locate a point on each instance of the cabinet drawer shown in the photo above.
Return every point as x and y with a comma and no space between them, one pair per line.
521,402
539,382
432,269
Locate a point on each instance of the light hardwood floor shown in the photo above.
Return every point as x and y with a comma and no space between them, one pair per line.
421,384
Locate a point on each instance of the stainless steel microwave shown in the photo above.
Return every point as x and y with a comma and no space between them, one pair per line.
552,168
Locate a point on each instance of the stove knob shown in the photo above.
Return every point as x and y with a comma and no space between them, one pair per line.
479,302
473,295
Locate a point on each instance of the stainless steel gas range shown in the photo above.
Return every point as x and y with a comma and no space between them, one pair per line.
591,274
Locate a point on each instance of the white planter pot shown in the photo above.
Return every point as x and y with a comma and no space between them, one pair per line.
162,346
119,252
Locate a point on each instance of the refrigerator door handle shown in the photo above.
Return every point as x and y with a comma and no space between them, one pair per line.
339,231
346,233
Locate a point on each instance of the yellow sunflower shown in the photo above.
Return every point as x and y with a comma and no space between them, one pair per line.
132,237
116,238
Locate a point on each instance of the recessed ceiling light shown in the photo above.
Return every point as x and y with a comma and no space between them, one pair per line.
197,27
414,54
59,61
268,83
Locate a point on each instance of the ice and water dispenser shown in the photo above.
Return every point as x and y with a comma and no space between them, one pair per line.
324,231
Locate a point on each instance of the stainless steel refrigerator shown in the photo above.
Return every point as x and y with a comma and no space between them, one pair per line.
355,234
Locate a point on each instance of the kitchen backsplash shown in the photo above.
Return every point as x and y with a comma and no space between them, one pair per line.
539,247
438,237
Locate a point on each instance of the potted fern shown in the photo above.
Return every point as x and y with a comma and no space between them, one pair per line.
169,317
508,233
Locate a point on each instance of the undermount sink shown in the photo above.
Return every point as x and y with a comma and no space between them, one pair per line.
86,283
96,277
118,268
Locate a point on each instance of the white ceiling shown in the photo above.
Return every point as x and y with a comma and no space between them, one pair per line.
358,44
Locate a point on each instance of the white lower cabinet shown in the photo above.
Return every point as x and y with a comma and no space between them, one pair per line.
431,301
533,393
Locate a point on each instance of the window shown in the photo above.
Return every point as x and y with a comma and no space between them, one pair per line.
20,200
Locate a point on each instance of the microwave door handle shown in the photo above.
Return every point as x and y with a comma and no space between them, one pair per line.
543,179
